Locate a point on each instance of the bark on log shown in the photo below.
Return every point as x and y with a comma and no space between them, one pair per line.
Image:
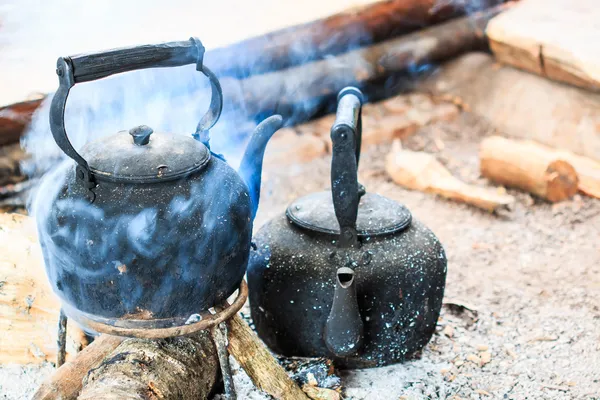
528,166
522,105
262,368
332,35
14,119
66,382
28,308
313,85
550,38
175,368
588,170
421,171
316,82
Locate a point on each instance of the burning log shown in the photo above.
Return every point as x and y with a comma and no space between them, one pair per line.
28,308
315,83
67,381
528,166
332,35
526,38
262,368
174,368
522,105
421,171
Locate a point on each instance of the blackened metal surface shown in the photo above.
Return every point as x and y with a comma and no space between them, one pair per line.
153,251
165,157
399,282
377,215
83,68
344,331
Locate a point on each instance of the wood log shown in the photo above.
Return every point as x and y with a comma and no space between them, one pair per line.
67,381
174,368
522,105
421,171
588,170
29,309
550,38
262,368
14,119
315,84
528,166
332,35
301,91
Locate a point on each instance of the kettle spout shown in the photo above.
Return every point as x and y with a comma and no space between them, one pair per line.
251,166
344,326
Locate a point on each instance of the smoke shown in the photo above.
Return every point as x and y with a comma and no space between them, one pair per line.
151,252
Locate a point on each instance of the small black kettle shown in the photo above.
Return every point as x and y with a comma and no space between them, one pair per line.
346,274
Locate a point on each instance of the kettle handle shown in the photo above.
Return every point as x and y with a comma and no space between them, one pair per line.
89,67
346,135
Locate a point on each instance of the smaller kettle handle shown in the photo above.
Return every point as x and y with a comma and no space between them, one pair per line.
89,67
346,135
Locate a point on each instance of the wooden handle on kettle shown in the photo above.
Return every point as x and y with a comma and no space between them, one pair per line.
346,135
92,66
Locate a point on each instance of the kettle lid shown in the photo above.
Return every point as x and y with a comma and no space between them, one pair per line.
377,215
141,155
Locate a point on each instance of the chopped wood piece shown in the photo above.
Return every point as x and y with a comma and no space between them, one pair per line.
262,368
29,310
421,171
522,105
140,369
66,382
528,166
317,393
550,38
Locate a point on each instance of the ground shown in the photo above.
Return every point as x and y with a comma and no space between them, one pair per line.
522,307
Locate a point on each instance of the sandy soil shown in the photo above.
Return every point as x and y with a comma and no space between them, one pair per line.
522,313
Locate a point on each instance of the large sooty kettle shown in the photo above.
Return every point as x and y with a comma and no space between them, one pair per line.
346,274
145,229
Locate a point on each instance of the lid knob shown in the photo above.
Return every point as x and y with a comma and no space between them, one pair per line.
141,134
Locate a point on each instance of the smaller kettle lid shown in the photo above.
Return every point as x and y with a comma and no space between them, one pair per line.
141,155
377,215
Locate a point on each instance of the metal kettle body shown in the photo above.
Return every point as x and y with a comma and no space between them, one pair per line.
145,229
366,298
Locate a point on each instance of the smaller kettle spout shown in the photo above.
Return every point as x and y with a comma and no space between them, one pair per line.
344,326
251,166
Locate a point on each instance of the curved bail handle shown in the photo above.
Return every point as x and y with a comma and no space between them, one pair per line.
93,66
346,135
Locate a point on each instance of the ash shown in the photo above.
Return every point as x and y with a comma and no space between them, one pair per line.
521,318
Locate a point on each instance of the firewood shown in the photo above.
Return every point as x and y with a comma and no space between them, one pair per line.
28,308
546,38
66,382
332,35
262,368
317,82
588,170
174,368
528,166
421,171
522,105
15,118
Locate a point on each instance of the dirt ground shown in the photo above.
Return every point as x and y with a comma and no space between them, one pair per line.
522,312
530,282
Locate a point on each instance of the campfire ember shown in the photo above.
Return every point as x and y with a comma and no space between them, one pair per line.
396,200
